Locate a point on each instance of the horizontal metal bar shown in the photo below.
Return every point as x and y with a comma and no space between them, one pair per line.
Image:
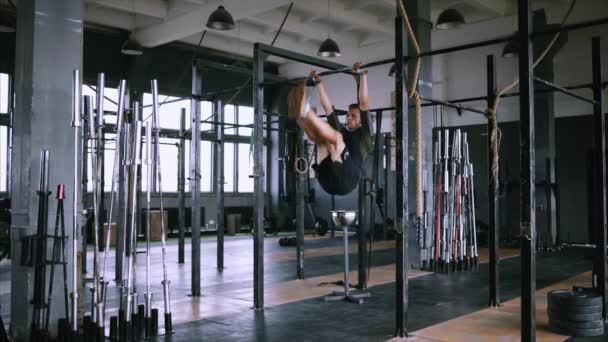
455,106
382,109
233,68
221,92
562,90
499,40
514,94
168,102
298,57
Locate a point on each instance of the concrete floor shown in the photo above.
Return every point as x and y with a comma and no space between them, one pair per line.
294,311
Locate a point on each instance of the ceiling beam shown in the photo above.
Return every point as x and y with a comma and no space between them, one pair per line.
341,13
272,21
494,7
151,8
194,22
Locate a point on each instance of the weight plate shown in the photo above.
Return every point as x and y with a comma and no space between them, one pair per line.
576,332
578,298
580,309
577,325
575,317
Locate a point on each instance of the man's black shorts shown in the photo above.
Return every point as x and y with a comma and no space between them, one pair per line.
338,178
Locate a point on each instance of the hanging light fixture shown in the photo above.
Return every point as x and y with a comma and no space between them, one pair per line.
7,23
131,47
511,49
449,19
329,47
220,19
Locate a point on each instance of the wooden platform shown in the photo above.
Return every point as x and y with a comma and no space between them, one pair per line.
498,324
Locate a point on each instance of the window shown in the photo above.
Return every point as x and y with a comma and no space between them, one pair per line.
4,158
245,118
229,118
245,182
206,166
4,132
169,112
109,103
4,95
229,167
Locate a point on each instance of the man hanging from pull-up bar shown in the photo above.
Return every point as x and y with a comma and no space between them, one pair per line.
342,150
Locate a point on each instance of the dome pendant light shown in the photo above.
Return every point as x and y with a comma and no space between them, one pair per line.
131,47
221,20
449,19
329,47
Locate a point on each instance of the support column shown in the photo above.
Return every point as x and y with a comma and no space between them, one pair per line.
41,121
219,175
401,195
301,195
362,230
599,126
494,223
181,188
195,181
527,220
258,173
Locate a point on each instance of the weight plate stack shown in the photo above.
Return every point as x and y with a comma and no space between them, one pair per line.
575,313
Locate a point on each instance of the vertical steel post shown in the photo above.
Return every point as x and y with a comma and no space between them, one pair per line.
301,195
258,173
493,223
362,233
195,180
76,123
401,186
219,175
527,175
599,126
181,188
84,186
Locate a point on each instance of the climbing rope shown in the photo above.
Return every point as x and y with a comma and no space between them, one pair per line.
413,94
493,110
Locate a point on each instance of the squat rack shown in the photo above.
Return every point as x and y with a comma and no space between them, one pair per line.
527,222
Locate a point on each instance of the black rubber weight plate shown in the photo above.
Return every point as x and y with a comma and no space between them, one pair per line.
576,332
588,309
571,298
577,325
575,317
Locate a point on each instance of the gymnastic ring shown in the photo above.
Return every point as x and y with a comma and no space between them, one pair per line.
302,170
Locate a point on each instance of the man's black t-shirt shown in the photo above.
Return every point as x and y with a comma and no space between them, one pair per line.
358,141
341,178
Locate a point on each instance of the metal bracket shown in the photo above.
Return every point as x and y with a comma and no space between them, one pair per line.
526,231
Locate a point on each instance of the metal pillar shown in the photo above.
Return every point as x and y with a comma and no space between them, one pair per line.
219,175
493,222
84,190
195,181
362,230
401,195
258,174
41,122
527,175
181,188
599,126
301,195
